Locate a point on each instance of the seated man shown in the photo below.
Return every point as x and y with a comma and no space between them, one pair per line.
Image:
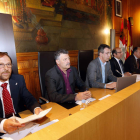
116,63
132,63
99,72
13,96
62,79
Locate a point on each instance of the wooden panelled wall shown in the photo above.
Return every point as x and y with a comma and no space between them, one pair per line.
118,20
130,8
134,7
28,67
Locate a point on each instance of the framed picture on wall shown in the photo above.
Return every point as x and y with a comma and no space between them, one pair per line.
118,8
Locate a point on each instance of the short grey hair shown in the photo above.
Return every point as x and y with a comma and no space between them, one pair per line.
101,48
57,53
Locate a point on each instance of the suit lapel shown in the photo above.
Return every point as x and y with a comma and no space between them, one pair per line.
14,88
71,77
71,80
59,72
117,65
134,60
100,69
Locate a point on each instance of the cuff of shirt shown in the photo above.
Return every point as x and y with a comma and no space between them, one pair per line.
1,126
105,86
35,108
75,96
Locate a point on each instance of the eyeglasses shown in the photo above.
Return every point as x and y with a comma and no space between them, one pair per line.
119,52
3,65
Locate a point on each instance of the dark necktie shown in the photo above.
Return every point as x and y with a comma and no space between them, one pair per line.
121,66
138,64
7,101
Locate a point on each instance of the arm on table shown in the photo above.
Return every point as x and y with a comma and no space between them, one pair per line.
54,96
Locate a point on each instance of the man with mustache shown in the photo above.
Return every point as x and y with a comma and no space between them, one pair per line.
99,71
62,79
13,96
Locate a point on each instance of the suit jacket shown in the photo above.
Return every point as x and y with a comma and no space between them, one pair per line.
55,85
94,74
131,65
20,95
115,66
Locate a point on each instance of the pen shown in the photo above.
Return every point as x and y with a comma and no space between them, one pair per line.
15,121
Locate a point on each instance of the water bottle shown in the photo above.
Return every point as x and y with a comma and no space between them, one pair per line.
83,105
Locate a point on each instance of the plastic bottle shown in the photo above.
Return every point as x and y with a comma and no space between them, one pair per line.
83,105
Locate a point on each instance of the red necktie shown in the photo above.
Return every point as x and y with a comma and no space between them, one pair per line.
7,101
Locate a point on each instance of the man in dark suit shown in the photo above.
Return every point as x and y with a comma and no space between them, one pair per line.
132,63
116,63
99,72
62,79
13,96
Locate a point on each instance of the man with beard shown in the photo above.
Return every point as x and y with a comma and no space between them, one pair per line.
99,71
62,79
13,96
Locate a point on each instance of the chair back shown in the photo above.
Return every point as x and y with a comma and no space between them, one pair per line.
85,57
45,62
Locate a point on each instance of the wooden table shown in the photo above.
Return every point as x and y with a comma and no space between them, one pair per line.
59,112
97,93
114,118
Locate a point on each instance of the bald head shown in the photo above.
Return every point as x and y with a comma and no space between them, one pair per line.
117,53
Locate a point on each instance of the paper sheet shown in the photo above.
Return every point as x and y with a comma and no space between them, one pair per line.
30,127
87,101
138,77
24,131
34,117
43,126
104,97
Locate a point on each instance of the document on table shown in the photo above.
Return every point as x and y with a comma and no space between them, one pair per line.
43,126
24,131
34,117
104,97
87,101
30,127
138,77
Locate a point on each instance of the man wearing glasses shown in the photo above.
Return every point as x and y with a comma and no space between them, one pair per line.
116,63
13,96
99,73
